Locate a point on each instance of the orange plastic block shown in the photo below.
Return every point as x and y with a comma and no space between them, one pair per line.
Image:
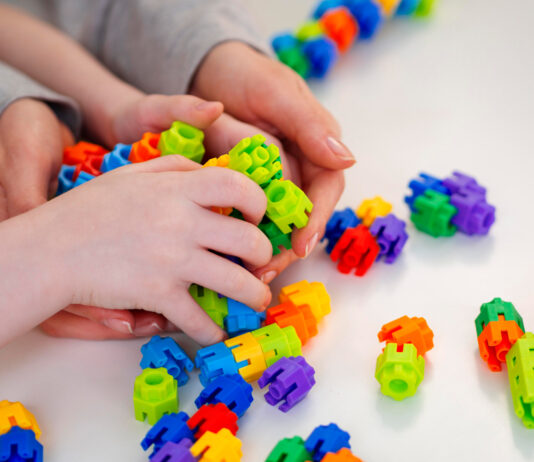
343,455
16,415
302,319
221,161
246,347
76,154
408,330
495,341
356,250
304,294
146,148
217,447
92,164
341,27
370,209
389,6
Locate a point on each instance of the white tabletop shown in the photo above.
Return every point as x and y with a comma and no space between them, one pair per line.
453,92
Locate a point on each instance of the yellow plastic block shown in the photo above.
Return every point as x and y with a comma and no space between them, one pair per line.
370,209
277,342
312,294
16,415
246,347
217,447
221,161
389,6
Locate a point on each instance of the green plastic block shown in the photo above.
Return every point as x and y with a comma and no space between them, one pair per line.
155,394
434,214
278,238
277,342
491,311
289,450
296,60
287,205
520,362
309,30
399,370
183,139
425,8
216,307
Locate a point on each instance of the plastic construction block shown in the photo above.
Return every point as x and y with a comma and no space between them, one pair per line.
217,447
65,179
183,139
284,41
213,417
326,438
118,157
391,236
290,380
322,55
221,161
289,450
325,6
370,209
356,250
278,238
343,455
231,390
337,224
399,370
309,30
19,445
83,177
388,6
475,215
92,165
305,294
434,213
296,60
420,185
277,342
407,7
368,15
258,161
425,8
495,310
247,348
155,394
520,362
341,27
287,205
286,314
165,352
14,414
169,428
146,148
408,330
215,361
212,303
241,318
175,452
73,155
495,342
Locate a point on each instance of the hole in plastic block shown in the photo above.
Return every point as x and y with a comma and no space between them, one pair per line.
187,132
398,386
277,194
154,379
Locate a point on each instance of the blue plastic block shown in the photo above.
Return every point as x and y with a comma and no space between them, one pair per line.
368,15
284,42
322,55
337,224
231,390
407,7
165,352
20,445
241,318
171,427
420,185
326,5
215,361
116,158
64,180
326,438
83,177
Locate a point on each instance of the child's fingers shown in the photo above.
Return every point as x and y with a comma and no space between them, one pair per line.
171,163
277,264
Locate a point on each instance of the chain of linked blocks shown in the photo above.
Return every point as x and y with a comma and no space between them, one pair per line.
334,27
19,434
502,339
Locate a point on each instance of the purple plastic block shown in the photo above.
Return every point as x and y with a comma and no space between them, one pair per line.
475,215
459,183
289,380
390,235
173,452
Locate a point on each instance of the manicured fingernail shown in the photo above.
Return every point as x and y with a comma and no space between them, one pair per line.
310,245
206,105
339,149
149,329
268,276
119,325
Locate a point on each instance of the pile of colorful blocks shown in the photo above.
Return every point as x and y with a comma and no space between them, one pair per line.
357,239
335,25
400,368
442,207
502,338
19,434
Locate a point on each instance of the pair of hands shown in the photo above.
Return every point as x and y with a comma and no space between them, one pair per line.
253,89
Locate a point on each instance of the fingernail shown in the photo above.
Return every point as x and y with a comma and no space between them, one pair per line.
268,276
149,329
267,300
119,325
339,149
205,105
310,245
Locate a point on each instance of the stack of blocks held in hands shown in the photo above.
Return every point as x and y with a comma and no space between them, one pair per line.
502,338
335,25
19,434
357,240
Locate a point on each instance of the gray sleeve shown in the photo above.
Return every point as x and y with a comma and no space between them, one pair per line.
15,85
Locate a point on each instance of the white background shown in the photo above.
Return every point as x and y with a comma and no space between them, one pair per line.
452,92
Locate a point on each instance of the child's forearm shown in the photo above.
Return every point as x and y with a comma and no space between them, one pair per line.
61,64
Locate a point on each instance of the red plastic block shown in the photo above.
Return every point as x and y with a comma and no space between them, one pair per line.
495,341
92,164
408,330
146,148
356,249
341,27
212,417
77,154
302,319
